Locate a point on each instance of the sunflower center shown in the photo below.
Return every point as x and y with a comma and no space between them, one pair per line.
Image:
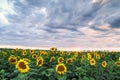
103,63
61,68
69,61
61,60
22,65
39,62
12,60
92,61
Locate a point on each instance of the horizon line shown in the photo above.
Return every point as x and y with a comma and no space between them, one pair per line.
59,48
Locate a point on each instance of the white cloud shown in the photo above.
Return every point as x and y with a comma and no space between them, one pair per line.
3,19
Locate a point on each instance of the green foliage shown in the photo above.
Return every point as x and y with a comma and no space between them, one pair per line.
80,69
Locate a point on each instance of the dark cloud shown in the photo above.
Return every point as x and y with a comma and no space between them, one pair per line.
115,23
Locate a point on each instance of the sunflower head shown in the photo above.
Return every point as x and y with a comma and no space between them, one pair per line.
69,60
17,49
61,68
24,53
60,60
89,56
52,59
12,51
53,49
22,66
97,56
102,54
26,59
104,64
92,62
4,53
75,54
12,59
34,56
32,51
73,59
61,53
117,63
83,56
39,61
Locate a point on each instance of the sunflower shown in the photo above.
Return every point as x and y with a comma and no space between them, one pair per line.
52,59
117,63
61,53
76,54
24,53
69,60
16,49
83,56
53,49
97,56
89,56
22,66
92,62
61,68
12,59
102,54
4,53
26,59
69,53
32,51
12,51
39,61
73,59
60,60
34,56
104,64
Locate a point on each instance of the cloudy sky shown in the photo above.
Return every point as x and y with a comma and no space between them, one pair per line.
60,23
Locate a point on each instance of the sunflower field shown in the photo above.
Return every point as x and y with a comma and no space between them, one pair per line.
53,64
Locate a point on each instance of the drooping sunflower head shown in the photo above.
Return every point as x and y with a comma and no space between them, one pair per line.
117,63
22,66
12,51
60,60
75,54
83,56
61,68
16,49
4,53
69,60
12,59
92,62
52,59
61,53
39,61
73,59
104,64
26,59
89,56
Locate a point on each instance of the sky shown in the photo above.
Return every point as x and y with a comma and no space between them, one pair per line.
67,24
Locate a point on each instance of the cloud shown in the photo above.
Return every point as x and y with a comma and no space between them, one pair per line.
115,23
60,23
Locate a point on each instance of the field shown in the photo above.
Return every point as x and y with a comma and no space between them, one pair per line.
53,64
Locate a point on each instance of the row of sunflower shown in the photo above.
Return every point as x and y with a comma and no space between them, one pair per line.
53,64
